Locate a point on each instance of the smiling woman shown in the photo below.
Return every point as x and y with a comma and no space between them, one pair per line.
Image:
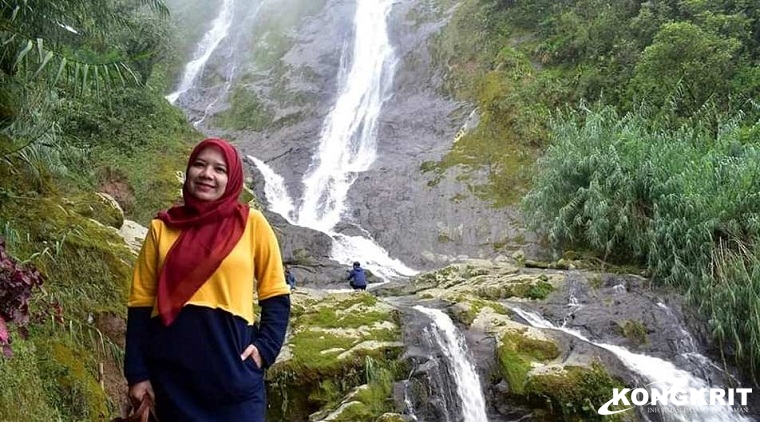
191,338
207,175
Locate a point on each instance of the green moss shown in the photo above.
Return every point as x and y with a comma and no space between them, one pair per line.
23,394
635,331
472,308
515,354
321,330
528,288
100,209
576,393
539,290
68,372
247,111
87,266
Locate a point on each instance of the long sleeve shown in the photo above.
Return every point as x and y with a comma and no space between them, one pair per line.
140,307
270,332
135,369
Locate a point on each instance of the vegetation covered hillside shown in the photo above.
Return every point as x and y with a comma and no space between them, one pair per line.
630,131
81,111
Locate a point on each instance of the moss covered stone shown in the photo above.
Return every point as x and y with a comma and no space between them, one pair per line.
574,393
337,342
100,207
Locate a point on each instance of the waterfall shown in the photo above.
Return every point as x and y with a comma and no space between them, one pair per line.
348,143
662,375
454,348
349,134
219,29
275,190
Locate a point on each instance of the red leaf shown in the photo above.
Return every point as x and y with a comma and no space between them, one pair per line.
4,335
7,351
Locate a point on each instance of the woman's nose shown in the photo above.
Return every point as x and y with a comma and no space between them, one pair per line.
206,172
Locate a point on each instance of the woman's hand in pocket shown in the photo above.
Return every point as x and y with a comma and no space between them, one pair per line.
252,352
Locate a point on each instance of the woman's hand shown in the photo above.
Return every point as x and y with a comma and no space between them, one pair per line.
252,352
137,391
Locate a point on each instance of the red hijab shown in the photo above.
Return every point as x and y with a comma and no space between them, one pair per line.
210,230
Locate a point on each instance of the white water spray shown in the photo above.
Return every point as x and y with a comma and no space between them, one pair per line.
275,190
453,346
219,29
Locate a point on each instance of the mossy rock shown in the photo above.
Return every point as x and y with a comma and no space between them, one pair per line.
516,354
99,207
69,374
87,266
331,343
574,393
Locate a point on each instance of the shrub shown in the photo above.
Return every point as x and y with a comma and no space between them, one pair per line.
16,284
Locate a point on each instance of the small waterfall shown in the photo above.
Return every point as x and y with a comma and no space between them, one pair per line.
275,190
219,29
452,344
662,375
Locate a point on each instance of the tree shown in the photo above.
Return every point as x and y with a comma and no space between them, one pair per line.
687,63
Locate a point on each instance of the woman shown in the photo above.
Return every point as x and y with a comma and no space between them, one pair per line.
192,343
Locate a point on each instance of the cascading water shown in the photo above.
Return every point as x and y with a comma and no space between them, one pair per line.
443,332
275,190
219,29
348,143
349,134
663,376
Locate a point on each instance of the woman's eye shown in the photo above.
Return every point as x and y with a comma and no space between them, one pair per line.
221,170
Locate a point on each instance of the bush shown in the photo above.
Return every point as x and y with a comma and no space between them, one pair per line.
685,203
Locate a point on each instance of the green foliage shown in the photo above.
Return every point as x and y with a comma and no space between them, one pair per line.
22,393
728,297
684,56
136,143
683,202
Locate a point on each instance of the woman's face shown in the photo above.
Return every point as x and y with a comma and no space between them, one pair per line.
207,175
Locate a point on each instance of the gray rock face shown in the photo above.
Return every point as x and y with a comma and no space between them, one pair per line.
426,225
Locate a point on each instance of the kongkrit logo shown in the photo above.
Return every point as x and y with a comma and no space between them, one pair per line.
680,397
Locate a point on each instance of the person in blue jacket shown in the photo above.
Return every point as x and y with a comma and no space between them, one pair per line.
290,278
356,277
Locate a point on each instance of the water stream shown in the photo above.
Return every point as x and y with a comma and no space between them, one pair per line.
452,344
219,29
659,374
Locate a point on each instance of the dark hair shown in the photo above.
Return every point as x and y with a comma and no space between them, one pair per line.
357,264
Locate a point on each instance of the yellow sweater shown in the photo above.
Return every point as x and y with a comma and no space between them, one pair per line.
255,261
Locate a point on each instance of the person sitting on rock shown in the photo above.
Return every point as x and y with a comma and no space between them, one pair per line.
357,278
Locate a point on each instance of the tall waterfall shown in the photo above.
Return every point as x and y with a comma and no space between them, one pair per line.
349,134
348,143
454,348
219,29
663,375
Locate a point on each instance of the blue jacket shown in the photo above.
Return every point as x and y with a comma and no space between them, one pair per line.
357,274
290,279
